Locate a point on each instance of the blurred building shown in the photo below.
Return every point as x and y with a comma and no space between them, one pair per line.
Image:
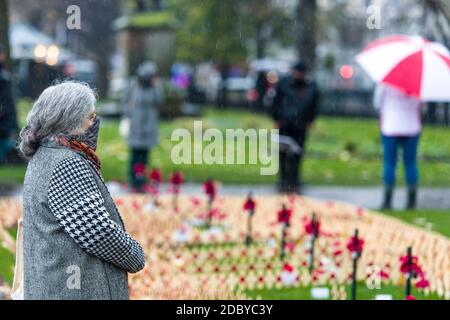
38,61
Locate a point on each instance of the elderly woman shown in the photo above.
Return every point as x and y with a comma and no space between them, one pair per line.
75,243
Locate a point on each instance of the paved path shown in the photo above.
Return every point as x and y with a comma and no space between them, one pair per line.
368,197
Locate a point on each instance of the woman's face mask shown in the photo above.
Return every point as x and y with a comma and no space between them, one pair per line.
90,136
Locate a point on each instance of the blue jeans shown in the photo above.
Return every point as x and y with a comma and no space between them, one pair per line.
409,146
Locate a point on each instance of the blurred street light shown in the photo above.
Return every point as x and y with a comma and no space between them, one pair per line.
346,72
40,51
52,55
52,51
49,55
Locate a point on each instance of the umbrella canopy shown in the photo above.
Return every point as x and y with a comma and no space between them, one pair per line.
411,63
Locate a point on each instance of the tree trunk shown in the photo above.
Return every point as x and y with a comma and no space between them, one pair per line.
306,23
262,21
260,41
102,78
437,12
4,29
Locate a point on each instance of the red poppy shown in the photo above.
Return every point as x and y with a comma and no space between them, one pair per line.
408,267
410,298
337,253
216,213
312,227
155,175
422,283
383,275
288,268
249,205
176,178
139,169
210,189
355,245
284,216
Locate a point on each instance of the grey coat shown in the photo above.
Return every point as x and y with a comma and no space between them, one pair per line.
49,252
141,107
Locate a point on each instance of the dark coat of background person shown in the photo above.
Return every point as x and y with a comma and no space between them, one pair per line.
50,253
294,108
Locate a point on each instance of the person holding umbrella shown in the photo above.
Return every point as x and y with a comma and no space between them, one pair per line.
409,70
401,125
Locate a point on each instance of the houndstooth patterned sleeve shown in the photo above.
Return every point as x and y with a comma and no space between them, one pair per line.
75,200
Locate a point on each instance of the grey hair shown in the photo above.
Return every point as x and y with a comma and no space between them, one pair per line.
60,110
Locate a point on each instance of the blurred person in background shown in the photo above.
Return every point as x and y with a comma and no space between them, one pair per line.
141,107
401,125
295,107
69,217
261,88
8,118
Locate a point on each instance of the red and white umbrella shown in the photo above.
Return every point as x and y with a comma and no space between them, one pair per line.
411,63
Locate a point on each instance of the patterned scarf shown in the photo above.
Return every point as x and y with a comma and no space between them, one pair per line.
83,148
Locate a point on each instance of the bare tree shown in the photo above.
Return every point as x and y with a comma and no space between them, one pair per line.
437,20
4,28
306,25
436,23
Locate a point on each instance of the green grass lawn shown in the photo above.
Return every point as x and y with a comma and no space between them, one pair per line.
340,151
362,293
7,262
433,220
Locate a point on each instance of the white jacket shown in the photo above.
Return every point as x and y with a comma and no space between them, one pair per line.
400,114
